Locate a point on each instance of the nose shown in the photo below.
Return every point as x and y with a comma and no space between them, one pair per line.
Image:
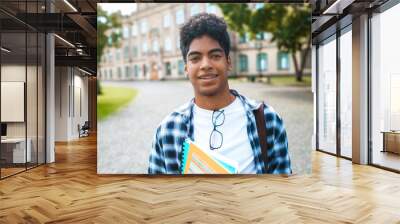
205,63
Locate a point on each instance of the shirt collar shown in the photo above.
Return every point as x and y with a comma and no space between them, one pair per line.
249,104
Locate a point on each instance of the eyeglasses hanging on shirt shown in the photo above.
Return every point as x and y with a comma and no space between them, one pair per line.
216,137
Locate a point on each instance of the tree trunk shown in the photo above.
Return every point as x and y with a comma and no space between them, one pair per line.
98,87
303,58
304,55
299,74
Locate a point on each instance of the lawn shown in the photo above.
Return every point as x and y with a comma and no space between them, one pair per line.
113,99
290,81
276,80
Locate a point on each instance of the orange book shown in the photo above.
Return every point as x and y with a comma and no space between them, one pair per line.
196,160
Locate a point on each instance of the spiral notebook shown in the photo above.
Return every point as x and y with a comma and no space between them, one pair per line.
196,160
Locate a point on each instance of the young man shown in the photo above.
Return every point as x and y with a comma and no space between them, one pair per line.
218,118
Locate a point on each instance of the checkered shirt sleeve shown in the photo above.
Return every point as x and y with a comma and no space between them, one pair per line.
278,156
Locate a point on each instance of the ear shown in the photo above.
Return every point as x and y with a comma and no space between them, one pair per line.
229,61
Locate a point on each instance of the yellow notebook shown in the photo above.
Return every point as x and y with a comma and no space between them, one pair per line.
196,160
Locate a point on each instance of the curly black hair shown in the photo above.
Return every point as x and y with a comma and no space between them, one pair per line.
204,24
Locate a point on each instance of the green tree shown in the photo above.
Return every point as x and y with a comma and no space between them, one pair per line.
289,25
108,33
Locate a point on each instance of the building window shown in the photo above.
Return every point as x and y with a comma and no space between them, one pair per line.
167,44
167,20
345,92
283,61
143,26
117,55
126,53
385,88
144,70
119,73
211,8
136,70
262,62
134,30
110,74
243,63
181,67
244,38
167,68
194,9
109,57
155,46
127,72
125,32
178,43
144,48
260,36
327,98
179,16
135,51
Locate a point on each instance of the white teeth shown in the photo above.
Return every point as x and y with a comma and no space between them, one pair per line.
208,77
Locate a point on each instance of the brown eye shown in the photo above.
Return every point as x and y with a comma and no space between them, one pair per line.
216,56
194,59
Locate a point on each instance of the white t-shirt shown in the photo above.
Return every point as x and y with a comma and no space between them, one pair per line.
236,144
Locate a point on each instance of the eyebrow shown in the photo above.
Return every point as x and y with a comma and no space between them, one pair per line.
209,52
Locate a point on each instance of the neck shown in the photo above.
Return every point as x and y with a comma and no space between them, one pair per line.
214,102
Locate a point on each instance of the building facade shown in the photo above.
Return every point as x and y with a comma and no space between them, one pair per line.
150,50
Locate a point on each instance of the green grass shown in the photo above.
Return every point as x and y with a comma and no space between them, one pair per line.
113,99
290,81
276,80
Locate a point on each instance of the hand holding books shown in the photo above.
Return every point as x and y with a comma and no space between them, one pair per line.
196,160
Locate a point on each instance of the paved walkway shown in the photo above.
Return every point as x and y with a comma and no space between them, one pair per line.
124,140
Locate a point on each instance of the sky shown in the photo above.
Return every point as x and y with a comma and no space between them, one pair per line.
125,8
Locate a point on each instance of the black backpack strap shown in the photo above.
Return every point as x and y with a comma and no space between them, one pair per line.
262,134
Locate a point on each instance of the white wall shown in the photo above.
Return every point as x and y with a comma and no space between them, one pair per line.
71,94
80,96
61,103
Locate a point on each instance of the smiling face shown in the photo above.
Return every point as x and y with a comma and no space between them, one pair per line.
207,67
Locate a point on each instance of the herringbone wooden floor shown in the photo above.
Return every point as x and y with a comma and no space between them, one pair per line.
70,191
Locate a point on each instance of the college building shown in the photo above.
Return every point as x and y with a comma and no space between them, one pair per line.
149,48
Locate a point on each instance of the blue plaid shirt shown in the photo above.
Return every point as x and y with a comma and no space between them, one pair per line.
176,127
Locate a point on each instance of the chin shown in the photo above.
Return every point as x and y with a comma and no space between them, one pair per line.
209,91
